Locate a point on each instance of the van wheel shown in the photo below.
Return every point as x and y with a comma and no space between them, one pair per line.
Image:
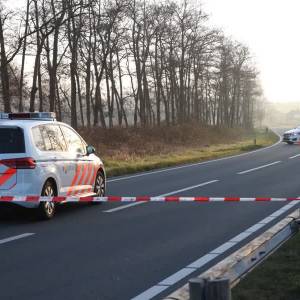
46,210
99,188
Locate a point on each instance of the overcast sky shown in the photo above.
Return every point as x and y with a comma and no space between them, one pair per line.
271,28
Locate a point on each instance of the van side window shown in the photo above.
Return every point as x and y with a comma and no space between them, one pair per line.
74,141
38,138
48,145
56,138
49,138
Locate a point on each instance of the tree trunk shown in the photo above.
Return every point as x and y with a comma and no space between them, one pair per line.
4,71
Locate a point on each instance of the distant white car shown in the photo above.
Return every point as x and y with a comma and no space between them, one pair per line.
292,136
40,156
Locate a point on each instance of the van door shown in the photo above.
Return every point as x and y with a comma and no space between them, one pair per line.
81,181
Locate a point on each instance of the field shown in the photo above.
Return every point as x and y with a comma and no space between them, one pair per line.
135,149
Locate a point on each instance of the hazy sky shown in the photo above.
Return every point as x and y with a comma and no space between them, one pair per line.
271,28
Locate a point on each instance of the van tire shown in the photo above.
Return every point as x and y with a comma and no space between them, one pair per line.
99,187
46,210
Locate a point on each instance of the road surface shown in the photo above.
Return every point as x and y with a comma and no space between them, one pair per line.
117,251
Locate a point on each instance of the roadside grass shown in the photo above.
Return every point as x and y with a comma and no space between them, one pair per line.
278,278
133,150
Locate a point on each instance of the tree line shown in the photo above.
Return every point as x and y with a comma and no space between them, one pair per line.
124,62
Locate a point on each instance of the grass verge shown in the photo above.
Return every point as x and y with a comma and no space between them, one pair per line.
278,278
132,150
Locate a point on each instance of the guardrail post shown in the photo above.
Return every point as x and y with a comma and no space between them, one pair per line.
197,288
205,289
295,226
218,289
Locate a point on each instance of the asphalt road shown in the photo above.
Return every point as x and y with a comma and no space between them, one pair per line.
117,252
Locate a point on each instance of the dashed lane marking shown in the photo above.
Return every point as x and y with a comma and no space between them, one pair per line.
16,237
259,168
163,195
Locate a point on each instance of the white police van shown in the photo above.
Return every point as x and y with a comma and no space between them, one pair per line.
40,156
292,136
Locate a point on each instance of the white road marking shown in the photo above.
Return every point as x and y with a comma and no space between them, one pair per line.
260,167
16,237
258,226
294,156
221,249
152,292
123,207
241,236
163,195
177,276
189,188
193,165
267,219
202,261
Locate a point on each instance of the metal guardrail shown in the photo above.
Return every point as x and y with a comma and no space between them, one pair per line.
216,282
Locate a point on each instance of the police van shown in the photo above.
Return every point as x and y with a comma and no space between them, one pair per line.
40,156
292,136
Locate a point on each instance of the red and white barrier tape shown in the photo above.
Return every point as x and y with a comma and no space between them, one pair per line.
139,199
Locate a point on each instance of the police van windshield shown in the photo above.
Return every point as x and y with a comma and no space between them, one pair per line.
11,140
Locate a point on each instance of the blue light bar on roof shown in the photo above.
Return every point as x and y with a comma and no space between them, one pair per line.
29,116
3,116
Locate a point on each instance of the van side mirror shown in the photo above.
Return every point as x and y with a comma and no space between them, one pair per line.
90,150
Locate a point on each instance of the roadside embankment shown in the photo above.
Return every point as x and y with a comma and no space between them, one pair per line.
136,149
278,278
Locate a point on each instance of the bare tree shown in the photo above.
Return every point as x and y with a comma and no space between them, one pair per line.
112,62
